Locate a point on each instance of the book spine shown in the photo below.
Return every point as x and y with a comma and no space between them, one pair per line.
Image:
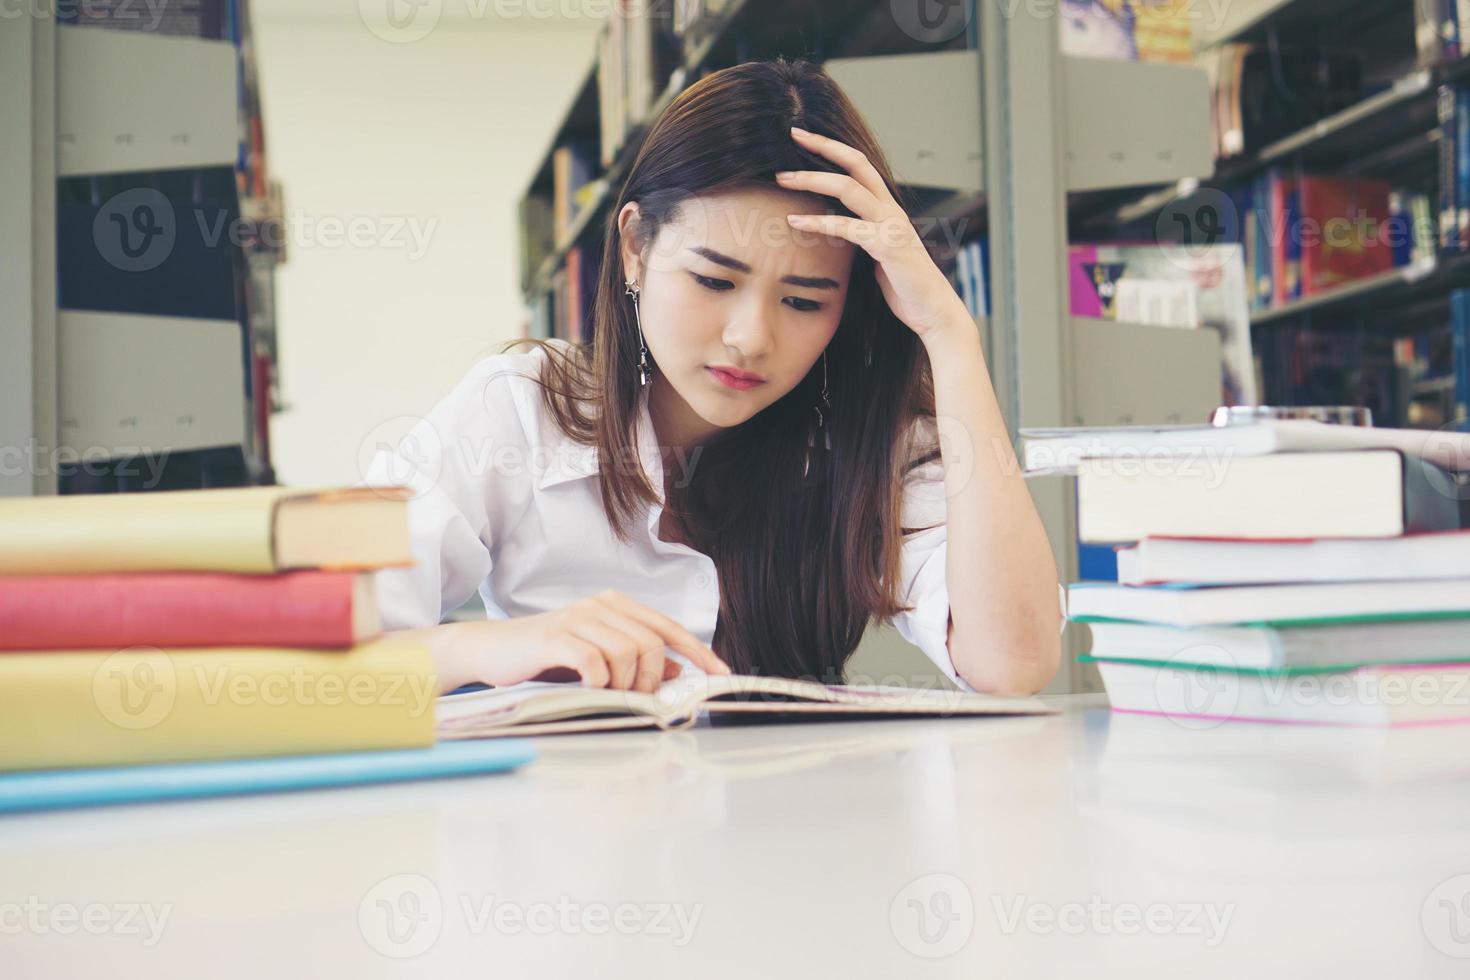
78,612
62,709
962,275
1448,203
1426,31
1462,167
1460,338
1431,497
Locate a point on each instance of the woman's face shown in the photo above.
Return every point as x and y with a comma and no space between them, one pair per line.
736,305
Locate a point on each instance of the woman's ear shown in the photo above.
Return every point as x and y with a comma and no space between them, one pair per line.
629,242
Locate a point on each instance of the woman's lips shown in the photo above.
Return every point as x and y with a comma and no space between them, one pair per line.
731,381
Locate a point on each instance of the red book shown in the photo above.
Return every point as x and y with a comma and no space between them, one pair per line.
186,609
1348,217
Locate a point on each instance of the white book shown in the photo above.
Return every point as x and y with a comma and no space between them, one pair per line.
1271,648
1059,450
1207,561
1371,696
1268,604
1361,494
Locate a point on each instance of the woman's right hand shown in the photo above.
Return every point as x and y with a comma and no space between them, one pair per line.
608,640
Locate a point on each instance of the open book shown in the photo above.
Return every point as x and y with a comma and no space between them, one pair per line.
544,708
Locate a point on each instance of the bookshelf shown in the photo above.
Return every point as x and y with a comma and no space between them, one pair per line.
1386,338
151,249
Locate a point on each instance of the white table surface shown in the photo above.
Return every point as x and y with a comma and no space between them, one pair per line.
1086,844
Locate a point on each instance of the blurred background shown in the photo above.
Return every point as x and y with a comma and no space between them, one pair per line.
250,241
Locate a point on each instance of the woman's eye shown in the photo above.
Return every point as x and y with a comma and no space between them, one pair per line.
718,285
804,305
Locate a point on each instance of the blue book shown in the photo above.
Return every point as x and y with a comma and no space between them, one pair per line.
56,788
1460,338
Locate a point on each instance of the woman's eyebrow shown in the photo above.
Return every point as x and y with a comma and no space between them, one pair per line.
720,258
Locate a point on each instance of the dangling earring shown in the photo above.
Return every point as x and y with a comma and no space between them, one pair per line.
821,420
645,370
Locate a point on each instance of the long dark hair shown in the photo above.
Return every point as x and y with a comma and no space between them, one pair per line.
806,546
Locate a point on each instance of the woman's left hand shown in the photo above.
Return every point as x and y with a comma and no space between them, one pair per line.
916,290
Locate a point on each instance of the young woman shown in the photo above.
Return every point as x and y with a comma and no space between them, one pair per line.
782,429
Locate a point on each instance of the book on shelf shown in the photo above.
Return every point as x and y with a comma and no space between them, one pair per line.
1200,287
573,327
254,530
1460,357
972,277
104,707
1265,93
308,608
207,19
551,708
538,233
1427,40
1359,493
573,166
1227,561
1353,217
1128,30
637,53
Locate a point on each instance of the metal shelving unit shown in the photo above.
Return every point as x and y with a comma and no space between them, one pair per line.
92,107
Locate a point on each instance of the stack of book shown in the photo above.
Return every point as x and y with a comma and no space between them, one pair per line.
1284,571
202,625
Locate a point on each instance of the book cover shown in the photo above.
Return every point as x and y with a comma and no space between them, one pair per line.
1201,286
185,609
180,18
60,709
68,788
1449,215
1348,219
1460,341
254,530
1098,29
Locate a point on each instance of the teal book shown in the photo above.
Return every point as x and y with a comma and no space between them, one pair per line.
65,788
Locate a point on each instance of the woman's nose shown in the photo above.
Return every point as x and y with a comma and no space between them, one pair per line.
752,330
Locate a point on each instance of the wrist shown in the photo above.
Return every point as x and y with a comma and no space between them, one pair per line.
956,343
454,654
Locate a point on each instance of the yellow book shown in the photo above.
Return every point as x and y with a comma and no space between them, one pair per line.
98,707
245,529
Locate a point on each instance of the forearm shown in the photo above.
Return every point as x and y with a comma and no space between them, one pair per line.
456,660
1002,577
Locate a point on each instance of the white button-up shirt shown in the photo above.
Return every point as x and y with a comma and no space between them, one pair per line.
507,504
